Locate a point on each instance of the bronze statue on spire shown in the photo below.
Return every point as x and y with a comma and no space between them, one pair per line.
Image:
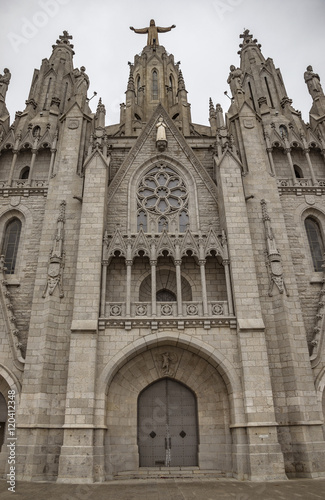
152,31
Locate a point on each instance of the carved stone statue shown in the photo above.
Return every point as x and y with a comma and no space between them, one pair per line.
313,82
161,130
81,85
234,80
152,31
4,82
161,139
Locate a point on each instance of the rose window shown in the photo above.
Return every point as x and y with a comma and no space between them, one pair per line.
162,198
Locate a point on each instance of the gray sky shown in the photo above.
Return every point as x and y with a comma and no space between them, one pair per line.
206,41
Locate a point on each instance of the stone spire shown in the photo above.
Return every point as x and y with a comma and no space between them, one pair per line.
131,80
100,114
212,117
181,82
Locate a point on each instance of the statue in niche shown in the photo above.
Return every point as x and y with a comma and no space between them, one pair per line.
152,31
313,83
4,82
234,80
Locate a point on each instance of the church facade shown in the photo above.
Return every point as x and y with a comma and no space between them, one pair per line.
162,282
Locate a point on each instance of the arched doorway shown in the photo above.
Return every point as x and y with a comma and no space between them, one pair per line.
167,425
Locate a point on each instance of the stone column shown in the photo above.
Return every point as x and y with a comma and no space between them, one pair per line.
269,153
53,151
293,174
312,173
179,287
103,288
12,167
128,264
203,287
228,286
153,264
31,169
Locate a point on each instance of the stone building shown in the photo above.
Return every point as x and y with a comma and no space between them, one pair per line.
162,288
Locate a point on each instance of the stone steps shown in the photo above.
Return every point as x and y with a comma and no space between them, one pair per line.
170,473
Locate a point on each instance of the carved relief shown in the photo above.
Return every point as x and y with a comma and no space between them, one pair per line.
319,325
273,260
8,312
166,363
56,263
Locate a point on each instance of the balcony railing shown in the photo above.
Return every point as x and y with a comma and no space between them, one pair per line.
192,314
302,182
21,187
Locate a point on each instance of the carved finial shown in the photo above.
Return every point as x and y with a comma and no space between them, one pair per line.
211,108
100,108
131,80
181,83
248,39
65,38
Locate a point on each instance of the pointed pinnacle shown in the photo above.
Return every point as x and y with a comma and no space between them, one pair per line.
131,81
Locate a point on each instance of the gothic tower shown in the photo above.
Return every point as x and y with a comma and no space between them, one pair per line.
162,293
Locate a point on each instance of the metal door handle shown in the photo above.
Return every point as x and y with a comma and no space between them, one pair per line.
170,443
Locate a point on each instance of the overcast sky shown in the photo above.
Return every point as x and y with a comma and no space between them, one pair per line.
206,41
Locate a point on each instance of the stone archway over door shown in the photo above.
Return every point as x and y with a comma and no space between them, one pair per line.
167,425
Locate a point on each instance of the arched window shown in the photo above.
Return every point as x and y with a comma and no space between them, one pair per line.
165,295
24,173
315,241
183,221
155,85
171,87
138,87
10,244
142,220
298,172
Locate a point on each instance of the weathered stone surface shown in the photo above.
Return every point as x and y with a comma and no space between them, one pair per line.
139,262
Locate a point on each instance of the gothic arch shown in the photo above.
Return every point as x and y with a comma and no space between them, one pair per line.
146,276
186,367
9,381
5,219
144,290
318,216
214,357
301,212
